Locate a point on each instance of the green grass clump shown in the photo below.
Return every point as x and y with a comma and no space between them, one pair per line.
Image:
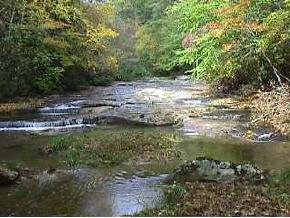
113,146
279,186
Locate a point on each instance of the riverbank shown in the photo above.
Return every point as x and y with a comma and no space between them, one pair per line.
212,199
20,105
216,188
273,109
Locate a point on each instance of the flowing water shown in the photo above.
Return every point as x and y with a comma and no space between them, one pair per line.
127,188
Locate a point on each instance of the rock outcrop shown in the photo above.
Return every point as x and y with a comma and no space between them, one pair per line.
7,176
206,169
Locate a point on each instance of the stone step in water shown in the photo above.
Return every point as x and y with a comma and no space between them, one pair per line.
43,125
65,108
75,123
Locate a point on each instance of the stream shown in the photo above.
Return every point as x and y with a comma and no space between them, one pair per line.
174,105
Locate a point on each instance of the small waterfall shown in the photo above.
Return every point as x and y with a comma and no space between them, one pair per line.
45,125
59,109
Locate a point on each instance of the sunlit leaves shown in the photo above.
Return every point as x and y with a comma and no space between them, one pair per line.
231,36
43,41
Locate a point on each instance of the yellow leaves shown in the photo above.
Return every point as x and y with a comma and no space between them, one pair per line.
99,33
230,9
249,134
106,9
145,41
236,22
55,42
239,23
212,25
112,63
234,17
52,24
255,25
218,29
103,31
229,46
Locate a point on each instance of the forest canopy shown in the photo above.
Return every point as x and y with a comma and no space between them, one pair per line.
58,45
49,45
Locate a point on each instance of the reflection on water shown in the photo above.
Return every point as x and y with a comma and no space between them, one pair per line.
114,191
267,155
91,194
123,196
25,149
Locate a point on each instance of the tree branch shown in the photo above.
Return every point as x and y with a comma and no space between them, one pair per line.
275,70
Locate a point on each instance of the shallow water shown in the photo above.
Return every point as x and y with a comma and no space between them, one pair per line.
265,155
114,191
93,193
127,188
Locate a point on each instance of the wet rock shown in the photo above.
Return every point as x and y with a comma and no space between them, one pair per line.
206,169
47,149
134,120
157,102
52,176
256,134
183,78
7,176
27,173
223,117
105,103
266,137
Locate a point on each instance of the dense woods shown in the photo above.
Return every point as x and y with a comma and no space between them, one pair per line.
52,45
49,46
183,104
225,42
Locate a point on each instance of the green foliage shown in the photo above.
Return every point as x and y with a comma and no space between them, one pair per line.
156,44
151,40
173,202
49,80
230,42
279,186
130,70
236,42
174,193
144,11
56,45
43,43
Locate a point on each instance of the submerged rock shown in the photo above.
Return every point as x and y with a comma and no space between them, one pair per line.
7,176
206,169
266,137
60,176
52,176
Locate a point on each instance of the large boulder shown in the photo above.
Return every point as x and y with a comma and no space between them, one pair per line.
206,169
7,176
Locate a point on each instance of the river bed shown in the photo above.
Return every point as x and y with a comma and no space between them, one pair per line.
127,188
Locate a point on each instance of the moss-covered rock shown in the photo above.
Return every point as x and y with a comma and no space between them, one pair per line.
7,176
206,169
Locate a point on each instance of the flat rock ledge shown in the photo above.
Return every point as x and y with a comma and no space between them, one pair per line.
206,169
